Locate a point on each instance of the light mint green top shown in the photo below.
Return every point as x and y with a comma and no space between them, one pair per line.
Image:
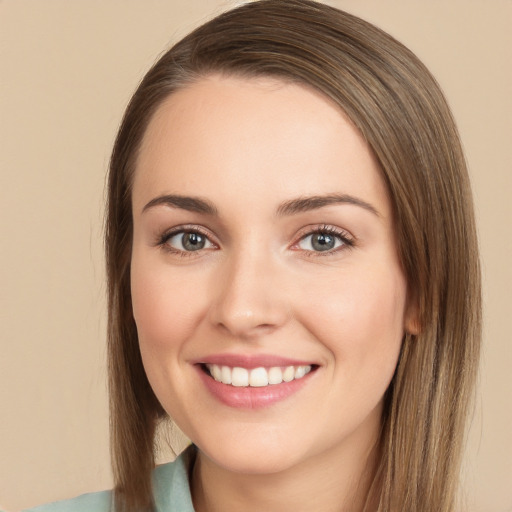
170,485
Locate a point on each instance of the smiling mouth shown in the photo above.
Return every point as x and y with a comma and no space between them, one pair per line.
256,377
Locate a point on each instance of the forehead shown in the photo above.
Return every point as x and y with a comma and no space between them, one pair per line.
262,135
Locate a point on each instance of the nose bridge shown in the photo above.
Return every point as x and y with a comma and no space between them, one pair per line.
249,300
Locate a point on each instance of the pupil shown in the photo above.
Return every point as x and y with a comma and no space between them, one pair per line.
322,242
193,241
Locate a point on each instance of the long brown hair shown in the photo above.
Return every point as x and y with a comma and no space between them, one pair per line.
398,107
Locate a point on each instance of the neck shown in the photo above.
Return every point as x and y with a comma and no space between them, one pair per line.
337,480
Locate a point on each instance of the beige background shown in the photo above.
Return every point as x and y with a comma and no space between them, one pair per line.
67,71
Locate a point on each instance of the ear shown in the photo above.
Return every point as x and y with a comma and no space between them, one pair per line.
412,323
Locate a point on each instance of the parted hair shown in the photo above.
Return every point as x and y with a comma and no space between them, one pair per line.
398,107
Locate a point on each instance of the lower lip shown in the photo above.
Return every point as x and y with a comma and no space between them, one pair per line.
252,397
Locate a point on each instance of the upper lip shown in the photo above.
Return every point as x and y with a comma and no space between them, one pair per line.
251,361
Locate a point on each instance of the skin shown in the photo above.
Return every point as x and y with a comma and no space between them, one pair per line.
259,287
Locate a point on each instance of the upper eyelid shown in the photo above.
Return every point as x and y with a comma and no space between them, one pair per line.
163,238
163,241
186,229
321,228
347,239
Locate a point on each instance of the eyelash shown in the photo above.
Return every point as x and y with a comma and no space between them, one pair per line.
163,240
347,240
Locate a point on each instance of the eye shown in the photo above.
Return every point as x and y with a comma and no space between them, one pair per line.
325,240
186,241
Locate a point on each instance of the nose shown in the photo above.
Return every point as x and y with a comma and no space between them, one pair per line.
250,298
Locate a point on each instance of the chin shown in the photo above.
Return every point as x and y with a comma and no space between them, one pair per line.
252,453
253,462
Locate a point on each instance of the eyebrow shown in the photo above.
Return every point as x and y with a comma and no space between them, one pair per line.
291,207
304,204
191,204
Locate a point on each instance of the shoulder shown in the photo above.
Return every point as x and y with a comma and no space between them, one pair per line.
170,484
94,502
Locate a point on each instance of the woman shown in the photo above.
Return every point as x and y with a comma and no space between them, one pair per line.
293,273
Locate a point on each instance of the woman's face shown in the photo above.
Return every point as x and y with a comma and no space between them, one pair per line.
268,296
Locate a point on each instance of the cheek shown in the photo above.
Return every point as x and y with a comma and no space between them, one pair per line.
165,307
360,317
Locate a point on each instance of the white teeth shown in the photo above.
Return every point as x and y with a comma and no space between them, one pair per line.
256,377
300,372
239,377
216,373
226,375
275,375
289,374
